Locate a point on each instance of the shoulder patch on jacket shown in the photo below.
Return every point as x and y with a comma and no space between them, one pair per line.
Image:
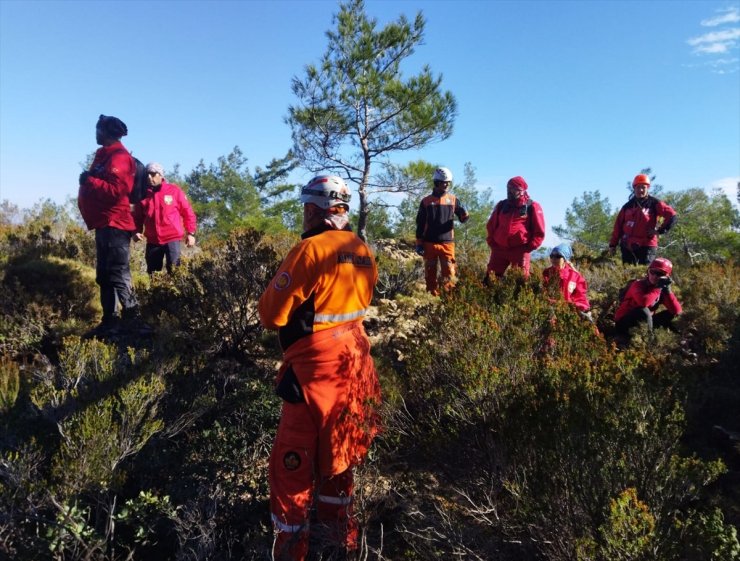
282,281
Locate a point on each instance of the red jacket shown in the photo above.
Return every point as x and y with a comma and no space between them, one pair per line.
435,218
164,214
637,220
103,197
642,294
516,225
572,285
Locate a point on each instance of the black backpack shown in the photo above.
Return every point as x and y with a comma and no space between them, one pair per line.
138,191
524,210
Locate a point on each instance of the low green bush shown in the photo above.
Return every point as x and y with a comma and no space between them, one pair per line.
213,300
560,422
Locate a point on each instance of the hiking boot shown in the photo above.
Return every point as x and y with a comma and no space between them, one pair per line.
132,323
107,328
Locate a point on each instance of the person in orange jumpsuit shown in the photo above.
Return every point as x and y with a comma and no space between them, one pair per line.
435,231
330,390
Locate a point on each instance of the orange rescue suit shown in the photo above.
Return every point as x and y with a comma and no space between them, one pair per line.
317,300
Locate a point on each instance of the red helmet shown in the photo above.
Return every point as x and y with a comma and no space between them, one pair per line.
641,179
661,264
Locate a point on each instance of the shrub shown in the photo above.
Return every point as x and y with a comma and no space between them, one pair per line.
213,300
62,284
560,422
48,230
9,383
711,301
22,327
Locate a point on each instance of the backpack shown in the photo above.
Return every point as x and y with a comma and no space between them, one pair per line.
138,191
524,210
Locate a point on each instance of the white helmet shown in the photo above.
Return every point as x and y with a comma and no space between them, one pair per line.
442,174
326,191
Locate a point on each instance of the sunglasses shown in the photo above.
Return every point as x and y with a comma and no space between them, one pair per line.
656,273
152,173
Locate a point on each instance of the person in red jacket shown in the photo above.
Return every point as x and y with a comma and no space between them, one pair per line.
571,283
515,229
104,204
165,216
643,297
330,390
636,228
435,231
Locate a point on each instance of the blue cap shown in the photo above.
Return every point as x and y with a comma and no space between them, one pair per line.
562,250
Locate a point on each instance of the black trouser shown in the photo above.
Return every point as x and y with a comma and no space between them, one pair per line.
638,315
155,254
112,271
638,255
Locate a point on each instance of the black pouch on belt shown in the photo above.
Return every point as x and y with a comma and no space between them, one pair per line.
288,388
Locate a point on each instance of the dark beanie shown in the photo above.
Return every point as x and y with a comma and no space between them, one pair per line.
112,126
519,182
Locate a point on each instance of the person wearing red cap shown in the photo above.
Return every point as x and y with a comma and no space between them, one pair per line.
515,229
636,228
103,200
164,216
643,297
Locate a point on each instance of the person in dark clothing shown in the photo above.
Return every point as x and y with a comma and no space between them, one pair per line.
435,231
103,200
636,228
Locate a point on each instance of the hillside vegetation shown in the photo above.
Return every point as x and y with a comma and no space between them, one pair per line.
513,429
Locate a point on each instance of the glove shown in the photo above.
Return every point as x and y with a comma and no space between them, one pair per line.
665,283
83,177
586,315
419,250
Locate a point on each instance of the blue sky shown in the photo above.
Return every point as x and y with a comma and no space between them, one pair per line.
573,95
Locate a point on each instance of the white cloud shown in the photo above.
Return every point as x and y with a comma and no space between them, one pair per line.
729,15
728,185
716,42
724,62
714,46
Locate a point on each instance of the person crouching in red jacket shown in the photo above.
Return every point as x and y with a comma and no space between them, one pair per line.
571,283
165,217
515,229
644,296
